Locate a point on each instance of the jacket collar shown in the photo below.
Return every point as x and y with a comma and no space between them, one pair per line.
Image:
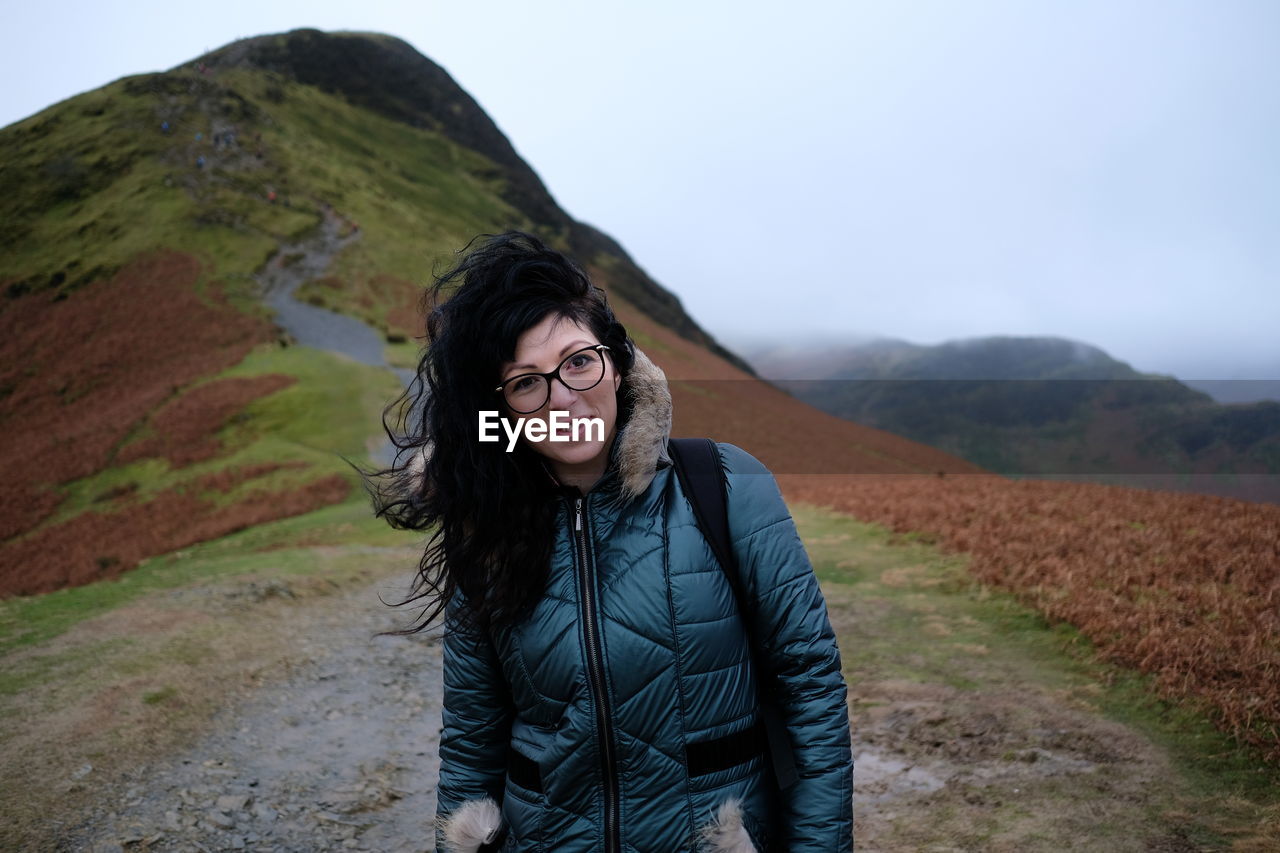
639,448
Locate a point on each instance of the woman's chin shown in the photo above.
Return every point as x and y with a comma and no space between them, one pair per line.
572,453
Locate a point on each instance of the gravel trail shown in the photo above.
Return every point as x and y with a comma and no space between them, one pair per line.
339,755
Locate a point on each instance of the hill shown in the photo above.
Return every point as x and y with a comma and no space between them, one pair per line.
1041,407
150,397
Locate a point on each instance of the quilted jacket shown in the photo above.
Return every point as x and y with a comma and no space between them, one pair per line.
618,716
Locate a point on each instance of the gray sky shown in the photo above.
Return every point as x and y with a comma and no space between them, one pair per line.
1103,171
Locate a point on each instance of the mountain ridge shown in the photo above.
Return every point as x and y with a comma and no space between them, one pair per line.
389,76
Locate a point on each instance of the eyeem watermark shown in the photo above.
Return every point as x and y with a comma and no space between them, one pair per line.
562,428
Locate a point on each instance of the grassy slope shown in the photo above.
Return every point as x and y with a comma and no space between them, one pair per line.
906,614
326,413
75,218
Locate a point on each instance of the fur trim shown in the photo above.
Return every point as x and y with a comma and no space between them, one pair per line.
725,833
643,441
471,824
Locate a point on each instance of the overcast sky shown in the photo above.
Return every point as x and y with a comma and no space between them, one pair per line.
1102,171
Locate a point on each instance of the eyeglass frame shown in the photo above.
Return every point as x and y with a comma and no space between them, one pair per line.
554,374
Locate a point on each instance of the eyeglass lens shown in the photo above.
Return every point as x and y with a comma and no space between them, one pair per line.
581,371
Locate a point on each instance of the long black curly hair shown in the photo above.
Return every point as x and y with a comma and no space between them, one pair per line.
489,511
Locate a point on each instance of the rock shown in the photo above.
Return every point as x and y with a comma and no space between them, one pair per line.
217,818
233,802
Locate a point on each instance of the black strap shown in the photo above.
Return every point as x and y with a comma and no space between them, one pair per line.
697,464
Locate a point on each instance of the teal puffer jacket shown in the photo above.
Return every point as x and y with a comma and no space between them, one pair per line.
617,717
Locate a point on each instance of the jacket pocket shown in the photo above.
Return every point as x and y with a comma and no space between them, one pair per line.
717,761
524,803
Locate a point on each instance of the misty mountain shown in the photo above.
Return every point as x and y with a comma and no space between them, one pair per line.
1036,406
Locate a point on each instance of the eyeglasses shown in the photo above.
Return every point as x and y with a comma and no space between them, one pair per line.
580,371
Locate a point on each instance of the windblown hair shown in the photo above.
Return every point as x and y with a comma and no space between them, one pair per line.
491,513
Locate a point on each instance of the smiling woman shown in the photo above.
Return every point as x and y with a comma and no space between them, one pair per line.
601,689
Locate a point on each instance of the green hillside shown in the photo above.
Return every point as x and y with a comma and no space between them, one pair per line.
360,121
140,218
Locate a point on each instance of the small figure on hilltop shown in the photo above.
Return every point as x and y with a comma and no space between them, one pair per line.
200,162
164,127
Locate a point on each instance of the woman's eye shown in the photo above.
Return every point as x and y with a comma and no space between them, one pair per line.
582,361
522,384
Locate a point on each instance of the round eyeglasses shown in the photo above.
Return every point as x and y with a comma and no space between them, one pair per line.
580,371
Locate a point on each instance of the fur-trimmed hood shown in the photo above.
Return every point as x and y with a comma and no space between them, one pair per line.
640,447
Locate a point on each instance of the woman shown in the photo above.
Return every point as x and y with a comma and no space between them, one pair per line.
599,689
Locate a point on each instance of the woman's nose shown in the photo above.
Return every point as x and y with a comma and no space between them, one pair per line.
562,396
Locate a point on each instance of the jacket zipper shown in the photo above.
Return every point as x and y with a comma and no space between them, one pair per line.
595,669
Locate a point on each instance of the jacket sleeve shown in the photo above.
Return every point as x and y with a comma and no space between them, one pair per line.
794,640
475,732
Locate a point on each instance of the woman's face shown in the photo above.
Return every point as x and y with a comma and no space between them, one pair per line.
542,348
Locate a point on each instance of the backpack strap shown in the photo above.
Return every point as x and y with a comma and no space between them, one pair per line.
697,464
701,475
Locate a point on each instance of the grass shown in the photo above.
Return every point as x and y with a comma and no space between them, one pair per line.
331,410
279,548
328,413
416,195
917,616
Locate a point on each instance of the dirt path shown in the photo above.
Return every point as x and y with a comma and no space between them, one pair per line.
341,754
291,266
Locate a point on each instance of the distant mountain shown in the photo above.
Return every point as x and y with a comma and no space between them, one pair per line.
1237,390
1037,406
